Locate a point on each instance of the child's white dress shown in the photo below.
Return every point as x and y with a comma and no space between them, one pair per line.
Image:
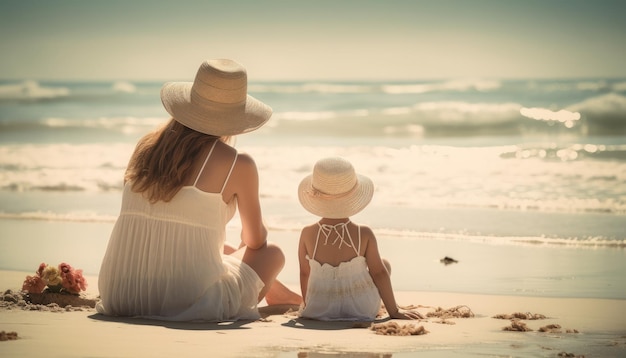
165,261
345,292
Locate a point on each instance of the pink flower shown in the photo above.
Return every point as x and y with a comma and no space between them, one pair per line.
65,268
33,284
42,266
73,280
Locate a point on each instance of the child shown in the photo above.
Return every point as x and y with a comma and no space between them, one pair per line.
342,275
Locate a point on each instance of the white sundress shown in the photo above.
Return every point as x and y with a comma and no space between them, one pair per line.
345,292
165,260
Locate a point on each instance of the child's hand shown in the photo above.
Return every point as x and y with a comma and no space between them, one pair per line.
406,314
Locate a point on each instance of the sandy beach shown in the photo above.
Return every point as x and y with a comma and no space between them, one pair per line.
600,323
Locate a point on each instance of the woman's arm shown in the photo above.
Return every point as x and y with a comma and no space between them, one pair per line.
246,179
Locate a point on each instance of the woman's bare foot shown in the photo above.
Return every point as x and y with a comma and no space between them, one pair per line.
279,294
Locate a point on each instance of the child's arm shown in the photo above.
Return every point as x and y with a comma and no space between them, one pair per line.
382,280
305,268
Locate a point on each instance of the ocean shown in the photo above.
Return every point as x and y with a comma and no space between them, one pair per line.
531,165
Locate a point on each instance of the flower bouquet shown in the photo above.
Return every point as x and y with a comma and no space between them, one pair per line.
56,288
61,279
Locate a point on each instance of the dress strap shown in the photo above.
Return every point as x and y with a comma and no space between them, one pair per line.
205,161
358,251
342,231
317,239
229,172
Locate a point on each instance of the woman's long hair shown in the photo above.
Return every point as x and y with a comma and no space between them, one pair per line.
163,160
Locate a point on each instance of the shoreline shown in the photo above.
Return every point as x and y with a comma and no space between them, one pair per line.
601,326
483,267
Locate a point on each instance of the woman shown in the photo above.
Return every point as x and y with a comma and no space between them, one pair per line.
167,258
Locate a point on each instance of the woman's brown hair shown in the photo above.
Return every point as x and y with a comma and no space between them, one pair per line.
164,159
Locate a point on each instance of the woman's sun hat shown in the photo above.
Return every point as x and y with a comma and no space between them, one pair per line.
335,190
217,102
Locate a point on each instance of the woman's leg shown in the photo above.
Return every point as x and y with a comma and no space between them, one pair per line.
267,262
279,294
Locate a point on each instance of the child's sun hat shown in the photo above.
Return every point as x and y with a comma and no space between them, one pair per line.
335,190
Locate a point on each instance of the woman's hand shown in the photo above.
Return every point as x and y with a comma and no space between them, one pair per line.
406,314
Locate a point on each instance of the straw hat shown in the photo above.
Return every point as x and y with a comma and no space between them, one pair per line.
334,190
217,102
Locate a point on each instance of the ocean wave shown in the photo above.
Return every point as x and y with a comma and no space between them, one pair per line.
549,205
63,167
511,177
574,152
587,85
312,87
568,118
124,87
124,125
604,115
31,91
121,124
588,242
429,114
446,113
619,87
461,85
383,232
601,115
536,177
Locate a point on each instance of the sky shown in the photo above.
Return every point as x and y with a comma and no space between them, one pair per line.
313,40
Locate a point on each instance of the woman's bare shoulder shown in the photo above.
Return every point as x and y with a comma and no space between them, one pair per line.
246,159
244,163
224,149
